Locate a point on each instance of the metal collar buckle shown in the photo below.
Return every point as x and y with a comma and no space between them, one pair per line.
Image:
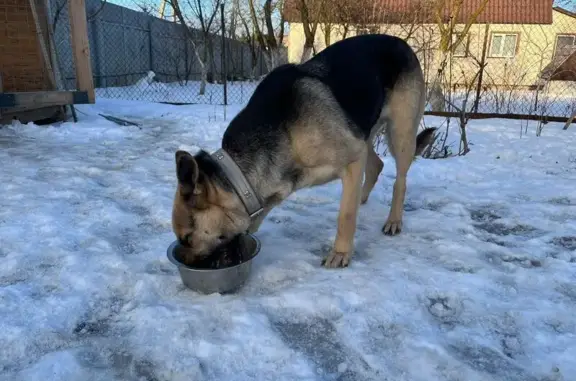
256,213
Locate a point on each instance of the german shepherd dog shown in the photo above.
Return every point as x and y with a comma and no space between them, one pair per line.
305,125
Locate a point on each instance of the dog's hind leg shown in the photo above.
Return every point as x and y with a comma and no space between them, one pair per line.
348,214
374,166
406,108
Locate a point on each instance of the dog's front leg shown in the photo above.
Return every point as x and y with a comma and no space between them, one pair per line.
347,216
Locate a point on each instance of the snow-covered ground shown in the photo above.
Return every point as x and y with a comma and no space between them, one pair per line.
480,285
150,90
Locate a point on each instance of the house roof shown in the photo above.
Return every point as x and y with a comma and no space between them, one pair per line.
565,11
398,11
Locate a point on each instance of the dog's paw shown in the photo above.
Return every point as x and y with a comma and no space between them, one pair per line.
336,259
392,227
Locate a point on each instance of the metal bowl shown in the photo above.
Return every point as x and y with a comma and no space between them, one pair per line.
222,280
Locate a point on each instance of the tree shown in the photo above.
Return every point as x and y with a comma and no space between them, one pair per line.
310,13
204,15
248,36
271,46
451,10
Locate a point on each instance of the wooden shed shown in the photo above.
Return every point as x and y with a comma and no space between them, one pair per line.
30,88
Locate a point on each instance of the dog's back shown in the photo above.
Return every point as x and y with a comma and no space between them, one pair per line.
361,71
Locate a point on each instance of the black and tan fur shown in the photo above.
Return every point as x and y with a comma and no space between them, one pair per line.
306,125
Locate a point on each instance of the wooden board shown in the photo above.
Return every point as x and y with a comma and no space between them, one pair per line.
36,99
31,115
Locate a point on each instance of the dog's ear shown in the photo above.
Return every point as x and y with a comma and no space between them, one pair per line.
187,171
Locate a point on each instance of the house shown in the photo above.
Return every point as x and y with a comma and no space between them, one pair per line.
514,40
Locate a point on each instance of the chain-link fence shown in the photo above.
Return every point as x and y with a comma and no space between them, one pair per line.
506,64
505,61
512,70
136,56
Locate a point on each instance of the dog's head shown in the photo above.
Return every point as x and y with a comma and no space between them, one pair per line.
206,212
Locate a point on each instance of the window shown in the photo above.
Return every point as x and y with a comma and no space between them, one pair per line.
366,30
462,49
503,45
565,45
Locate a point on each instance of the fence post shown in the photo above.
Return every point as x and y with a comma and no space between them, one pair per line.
126,77
187,60
224,71
242,62
98,46
150,44
261,62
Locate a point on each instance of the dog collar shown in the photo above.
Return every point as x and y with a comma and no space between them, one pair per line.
239,182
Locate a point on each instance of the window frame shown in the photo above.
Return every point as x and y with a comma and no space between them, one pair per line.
503,34
555,53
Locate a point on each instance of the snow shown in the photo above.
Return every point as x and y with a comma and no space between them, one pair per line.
150,89
556,100
480,285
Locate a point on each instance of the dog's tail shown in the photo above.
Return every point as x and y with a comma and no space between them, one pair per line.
423,139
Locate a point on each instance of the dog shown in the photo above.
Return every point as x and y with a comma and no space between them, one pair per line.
306,125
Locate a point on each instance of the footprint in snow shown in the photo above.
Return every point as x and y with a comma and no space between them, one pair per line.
509,262
444,308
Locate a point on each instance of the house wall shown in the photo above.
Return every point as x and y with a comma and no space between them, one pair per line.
21,65
535,48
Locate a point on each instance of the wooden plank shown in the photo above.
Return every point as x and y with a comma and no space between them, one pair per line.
81,48
480,115
32,115
37,99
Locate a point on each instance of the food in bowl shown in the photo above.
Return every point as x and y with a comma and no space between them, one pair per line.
231,254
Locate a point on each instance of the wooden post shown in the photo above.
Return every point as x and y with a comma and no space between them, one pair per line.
81,47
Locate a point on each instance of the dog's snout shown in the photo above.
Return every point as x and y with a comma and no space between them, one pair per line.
184,242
